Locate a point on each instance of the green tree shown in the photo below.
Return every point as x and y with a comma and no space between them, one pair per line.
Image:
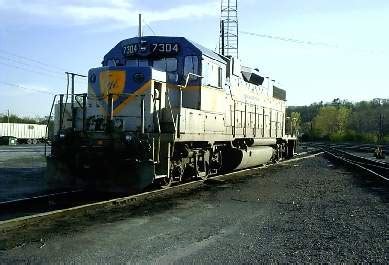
343,120
331,122
296,122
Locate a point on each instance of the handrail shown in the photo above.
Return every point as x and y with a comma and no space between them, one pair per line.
187,79
48,121
170,107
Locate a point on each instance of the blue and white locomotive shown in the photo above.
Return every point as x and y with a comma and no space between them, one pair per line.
165,109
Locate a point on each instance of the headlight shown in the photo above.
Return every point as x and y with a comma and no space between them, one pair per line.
138,77
128,137
92,77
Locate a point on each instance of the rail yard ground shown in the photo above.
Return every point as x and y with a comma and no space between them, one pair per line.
305,211
22,171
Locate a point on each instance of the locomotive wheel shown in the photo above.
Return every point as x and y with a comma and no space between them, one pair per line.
175,176
168,182
204,175
277,154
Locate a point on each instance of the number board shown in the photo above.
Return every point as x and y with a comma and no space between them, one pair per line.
153,48
131,49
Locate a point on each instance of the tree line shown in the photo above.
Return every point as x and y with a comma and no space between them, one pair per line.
341,120
12,118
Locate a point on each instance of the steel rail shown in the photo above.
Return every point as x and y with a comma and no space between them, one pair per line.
367,165
41,203
17,202
348,146
373,162
48,202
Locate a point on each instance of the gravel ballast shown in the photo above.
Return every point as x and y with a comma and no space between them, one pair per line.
305,211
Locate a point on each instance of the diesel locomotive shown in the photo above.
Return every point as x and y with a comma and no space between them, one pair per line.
166,110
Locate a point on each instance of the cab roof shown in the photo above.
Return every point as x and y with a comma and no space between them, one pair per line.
187,48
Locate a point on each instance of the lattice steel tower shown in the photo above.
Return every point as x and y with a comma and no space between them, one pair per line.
228,42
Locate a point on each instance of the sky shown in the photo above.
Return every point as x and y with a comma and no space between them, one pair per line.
336,49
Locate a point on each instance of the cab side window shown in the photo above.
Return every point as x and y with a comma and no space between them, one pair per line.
191,65
168,65
219,77
137,63
212,74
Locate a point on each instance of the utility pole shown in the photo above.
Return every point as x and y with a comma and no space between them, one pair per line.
74,110
381,129
380,123
140,26
8,115
378,152
222,37
228,41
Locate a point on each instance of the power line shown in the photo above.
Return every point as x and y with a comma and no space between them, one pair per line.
30,65
296,41
150,28
45,69
311,43
32,60
26,88
30,70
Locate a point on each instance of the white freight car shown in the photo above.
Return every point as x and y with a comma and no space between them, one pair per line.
25,133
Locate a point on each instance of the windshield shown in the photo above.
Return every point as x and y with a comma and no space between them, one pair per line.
138,63
166,64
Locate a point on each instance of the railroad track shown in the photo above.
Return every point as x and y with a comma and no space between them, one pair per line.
367,148
47,202
27,217
379,169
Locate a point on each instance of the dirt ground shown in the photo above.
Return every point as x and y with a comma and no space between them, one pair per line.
305,211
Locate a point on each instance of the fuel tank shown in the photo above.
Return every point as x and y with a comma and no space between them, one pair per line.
234,158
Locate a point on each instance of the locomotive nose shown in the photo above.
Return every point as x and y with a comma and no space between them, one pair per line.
117,80
113,88
112,82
